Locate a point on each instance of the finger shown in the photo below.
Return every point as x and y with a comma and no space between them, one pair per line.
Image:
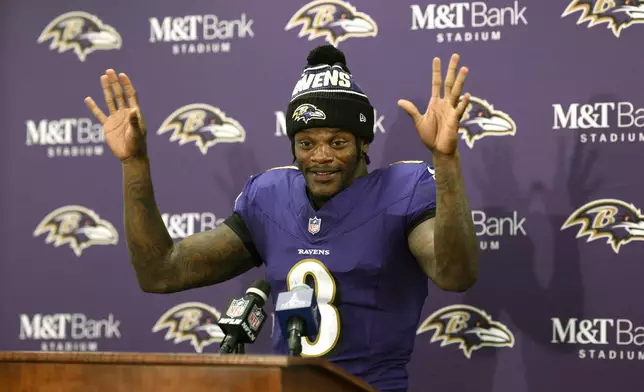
458,85
436,78
133,118
411,110
130,92
460,109
451,74
116,86
107,92
96,111
137,121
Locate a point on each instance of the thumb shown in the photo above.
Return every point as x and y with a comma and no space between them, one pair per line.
410,108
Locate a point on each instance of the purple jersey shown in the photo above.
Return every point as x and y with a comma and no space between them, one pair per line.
353,251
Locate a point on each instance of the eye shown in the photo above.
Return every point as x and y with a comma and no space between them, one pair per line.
339,143
305,143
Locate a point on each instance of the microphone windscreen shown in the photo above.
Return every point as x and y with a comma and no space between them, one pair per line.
260,288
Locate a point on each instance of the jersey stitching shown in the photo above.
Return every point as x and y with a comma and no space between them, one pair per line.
413,192
371,217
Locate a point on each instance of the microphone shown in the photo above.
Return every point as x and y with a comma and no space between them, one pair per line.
245,317
298,315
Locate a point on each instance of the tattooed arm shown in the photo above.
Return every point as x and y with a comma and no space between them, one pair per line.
446,246
162,266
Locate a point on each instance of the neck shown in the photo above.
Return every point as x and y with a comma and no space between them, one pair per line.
317,202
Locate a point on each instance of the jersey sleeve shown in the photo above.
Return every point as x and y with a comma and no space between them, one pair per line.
422,204
243,217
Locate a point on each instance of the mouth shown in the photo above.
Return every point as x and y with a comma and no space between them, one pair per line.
634,11
212,330
356,25
97,233
634,229
492,335
324,175
102,38
222,131
493,124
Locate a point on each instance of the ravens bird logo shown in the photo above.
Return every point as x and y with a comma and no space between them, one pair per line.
469,327
616,14
202,124
194,322
77,226
481,119
81,32
616,221
306,112
333,20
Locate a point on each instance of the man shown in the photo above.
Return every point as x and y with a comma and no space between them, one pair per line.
366,242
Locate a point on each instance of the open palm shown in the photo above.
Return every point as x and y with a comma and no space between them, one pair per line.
124,129
438,126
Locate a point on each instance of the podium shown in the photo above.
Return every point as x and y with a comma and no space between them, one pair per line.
137,372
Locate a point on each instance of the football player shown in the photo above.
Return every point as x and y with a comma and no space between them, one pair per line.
367,242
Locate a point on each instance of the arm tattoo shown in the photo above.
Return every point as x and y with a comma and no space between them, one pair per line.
455,263
455,240
161,265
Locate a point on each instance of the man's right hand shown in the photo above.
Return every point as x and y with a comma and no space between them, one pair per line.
124,129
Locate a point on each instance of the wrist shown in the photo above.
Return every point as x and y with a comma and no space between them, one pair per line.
135,160
440,159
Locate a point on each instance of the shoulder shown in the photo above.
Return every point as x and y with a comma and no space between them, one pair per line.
275,176
415,182
410,168
405,175
271,182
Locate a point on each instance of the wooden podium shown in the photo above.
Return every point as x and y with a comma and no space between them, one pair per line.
138,372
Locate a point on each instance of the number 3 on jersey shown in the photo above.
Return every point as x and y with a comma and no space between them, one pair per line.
325,290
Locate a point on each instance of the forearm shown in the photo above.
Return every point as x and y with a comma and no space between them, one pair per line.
148,241
455,243
162,266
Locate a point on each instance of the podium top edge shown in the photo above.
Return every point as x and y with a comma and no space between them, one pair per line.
157,358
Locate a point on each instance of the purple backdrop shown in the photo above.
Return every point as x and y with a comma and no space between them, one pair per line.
549,153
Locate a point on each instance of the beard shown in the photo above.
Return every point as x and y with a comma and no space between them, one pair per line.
321,189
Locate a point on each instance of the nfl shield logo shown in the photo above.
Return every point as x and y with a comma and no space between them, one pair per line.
255,318
314,225
236,307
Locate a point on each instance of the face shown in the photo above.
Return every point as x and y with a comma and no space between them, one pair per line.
328,159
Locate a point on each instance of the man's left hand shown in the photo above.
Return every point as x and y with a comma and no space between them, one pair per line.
438,126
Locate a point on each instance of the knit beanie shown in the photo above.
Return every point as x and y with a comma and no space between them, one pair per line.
327,96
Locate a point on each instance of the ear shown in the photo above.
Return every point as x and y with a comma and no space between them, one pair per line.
365,148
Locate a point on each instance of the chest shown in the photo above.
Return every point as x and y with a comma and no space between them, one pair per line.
347,258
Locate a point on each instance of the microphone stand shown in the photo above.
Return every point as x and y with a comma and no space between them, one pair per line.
240,349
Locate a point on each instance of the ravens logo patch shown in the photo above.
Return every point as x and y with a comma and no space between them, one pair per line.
78,227
469,327
617,15
614,220
480,119
81,32
333,20
192,322
306,112
202,124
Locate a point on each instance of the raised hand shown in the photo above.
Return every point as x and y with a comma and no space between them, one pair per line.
124,129
438,126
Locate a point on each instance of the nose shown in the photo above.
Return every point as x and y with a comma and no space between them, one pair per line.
322,154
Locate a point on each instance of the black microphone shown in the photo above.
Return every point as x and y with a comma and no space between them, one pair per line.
244,317
298,315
